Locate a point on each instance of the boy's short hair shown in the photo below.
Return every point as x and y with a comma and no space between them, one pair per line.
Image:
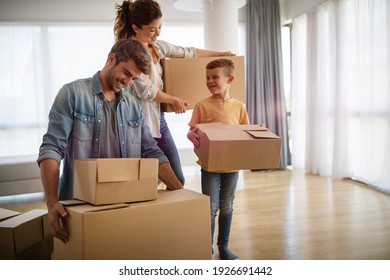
126,49
226,64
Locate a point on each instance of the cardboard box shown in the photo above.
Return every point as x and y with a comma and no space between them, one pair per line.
175,226
115,180
226,147
186,78
6,214
26,236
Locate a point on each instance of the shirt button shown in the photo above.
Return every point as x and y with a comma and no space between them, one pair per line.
99,120
97,140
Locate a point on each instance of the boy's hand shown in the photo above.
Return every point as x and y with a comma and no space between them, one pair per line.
193,136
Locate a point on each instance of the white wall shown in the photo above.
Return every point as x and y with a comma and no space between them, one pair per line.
78,10
85,11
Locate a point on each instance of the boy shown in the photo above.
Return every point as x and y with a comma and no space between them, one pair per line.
221,185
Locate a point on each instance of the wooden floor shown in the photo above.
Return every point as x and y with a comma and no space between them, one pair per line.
290,215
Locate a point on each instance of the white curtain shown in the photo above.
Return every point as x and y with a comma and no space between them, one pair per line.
340,91
36,60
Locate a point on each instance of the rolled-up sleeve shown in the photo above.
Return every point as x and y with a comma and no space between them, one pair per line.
143,88
56,140
170,50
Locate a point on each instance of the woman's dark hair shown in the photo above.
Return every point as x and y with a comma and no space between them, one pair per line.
138,12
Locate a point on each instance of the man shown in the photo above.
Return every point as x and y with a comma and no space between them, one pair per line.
93,118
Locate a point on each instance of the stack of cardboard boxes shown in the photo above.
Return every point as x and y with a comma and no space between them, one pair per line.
117,213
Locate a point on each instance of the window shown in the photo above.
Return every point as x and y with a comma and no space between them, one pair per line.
36,61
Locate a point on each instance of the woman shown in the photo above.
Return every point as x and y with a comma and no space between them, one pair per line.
142,20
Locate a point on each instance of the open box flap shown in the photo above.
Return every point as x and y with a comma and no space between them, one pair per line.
261,134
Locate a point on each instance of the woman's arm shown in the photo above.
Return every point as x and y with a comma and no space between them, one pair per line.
178,104
204,53
173,51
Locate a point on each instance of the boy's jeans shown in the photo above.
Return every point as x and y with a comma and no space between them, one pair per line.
221,188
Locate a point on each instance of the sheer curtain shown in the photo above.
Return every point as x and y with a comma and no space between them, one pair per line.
265,92
36,60
340,91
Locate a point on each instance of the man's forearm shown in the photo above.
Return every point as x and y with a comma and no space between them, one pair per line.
168,177
50,173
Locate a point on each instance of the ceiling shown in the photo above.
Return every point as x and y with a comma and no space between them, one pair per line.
99,10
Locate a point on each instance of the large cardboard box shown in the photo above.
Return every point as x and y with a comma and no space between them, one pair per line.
26,236
115,180
226,147
175,226
6,214
186,78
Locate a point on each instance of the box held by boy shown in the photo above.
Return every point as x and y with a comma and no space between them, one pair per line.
225,147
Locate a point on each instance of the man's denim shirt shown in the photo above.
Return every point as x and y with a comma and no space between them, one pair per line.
75,123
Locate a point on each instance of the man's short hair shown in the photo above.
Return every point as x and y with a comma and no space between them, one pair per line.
126,49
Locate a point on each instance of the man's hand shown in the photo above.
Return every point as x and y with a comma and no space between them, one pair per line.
168,177
57,212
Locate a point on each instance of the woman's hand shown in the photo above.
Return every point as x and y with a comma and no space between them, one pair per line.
229,53
179,105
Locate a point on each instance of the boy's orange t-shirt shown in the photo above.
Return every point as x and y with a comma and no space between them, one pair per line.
212,109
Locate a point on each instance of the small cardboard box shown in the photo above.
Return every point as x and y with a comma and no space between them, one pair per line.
186,78
226,147
6,214
115,180
175,226
26,236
